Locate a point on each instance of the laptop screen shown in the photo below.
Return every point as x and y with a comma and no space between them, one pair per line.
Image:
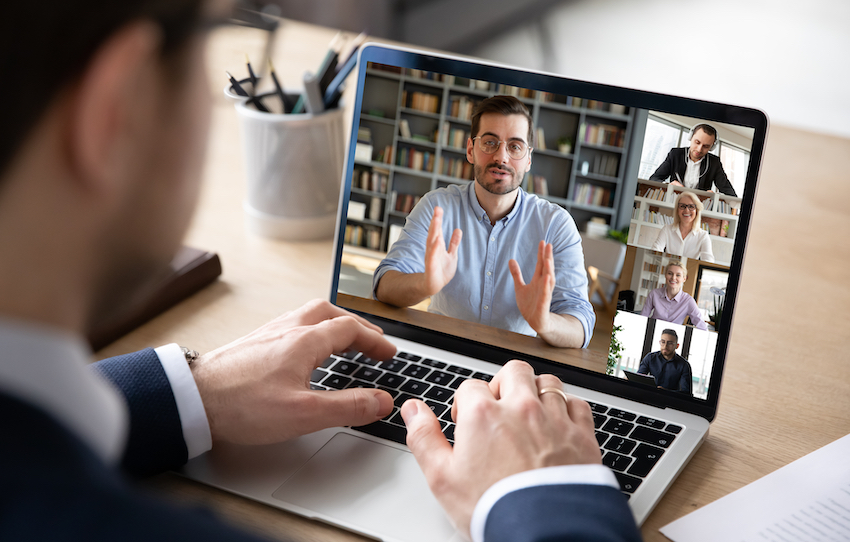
657,192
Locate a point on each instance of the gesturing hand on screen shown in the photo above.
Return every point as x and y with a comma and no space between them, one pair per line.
440,263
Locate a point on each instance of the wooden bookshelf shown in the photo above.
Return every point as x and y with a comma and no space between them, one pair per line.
654,206
419,123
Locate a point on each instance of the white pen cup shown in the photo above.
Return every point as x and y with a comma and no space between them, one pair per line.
293,169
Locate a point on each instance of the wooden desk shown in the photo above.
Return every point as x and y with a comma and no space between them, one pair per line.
787,385
586,359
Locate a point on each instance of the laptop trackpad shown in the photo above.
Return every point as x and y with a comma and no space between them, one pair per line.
368,487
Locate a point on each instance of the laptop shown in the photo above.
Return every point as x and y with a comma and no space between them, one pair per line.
596,148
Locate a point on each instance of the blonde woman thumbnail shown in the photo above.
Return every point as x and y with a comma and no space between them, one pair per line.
684,237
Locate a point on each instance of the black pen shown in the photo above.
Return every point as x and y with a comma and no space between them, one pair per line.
234,84
251,73
282,95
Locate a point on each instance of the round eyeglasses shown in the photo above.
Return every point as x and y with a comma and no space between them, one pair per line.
516,148
687,207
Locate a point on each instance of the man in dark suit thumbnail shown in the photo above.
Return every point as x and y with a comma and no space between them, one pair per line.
694,166
101,146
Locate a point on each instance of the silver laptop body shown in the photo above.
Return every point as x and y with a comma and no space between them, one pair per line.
372,485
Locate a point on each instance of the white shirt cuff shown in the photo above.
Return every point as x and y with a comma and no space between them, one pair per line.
190,407
565,474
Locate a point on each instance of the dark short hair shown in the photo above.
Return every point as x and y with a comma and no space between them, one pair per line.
671,332
47,44
707,128
503,105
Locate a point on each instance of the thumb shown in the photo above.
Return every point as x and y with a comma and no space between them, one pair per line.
425,438
516,273
354,406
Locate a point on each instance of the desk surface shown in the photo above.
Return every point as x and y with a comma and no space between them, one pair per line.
787,386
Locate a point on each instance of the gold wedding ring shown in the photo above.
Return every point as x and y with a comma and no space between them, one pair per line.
557,391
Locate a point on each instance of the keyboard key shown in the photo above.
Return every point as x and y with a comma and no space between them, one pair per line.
328,362
385,430
674,429
391,391
601,438
439,394
440,378
397,419
433,363
390,380
447,415
393,365
336,381
437,408
646,457
416,371
650,436
459,370
367,373
317,387
345,367
616,461
415,387
402,397
651,422
407,356
392,413
596,407
361,384
599,420
628,484
457,382
367,360
350,355
622,415
620,445
449,431
317,375
483,376
620,427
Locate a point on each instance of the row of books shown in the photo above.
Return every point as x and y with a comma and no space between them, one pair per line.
652,217
462,107
363,236
385,156
421,101
357,210
537,184
602,134
404,203
604,164
588,194
455,167
518,92
720,207
653,267
648,284
414,159
374,181
454,137
404,131
657,194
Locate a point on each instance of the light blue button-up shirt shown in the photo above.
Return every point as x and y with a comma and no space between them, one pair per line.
482,289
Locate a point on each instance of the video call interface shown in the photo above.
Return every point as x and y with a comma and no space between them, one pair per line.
655,198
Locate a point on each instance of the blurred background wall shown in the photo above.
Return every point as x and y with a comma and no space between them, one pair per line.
789,58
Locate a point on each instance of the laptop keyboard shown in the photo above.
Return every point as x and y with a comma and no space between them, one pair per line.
631,444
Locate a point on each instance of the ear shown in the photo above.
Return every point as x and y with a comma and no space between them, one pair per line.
470,147
106,99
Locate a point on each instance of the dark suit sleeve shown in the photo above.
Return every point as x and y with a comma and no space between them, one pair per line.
590,513
686,384
643,368
665,170
720,180
156,440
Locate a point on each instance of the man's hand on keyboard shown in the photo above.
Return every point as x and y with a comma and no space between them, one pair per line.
503,428
256,389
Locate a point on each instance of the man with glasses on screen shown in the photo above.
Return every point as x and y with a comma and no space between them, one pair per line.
488,252
100,162
670,370
694,166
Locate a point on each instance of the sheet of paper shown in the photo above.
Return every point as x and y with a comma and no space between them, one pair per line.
808,500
